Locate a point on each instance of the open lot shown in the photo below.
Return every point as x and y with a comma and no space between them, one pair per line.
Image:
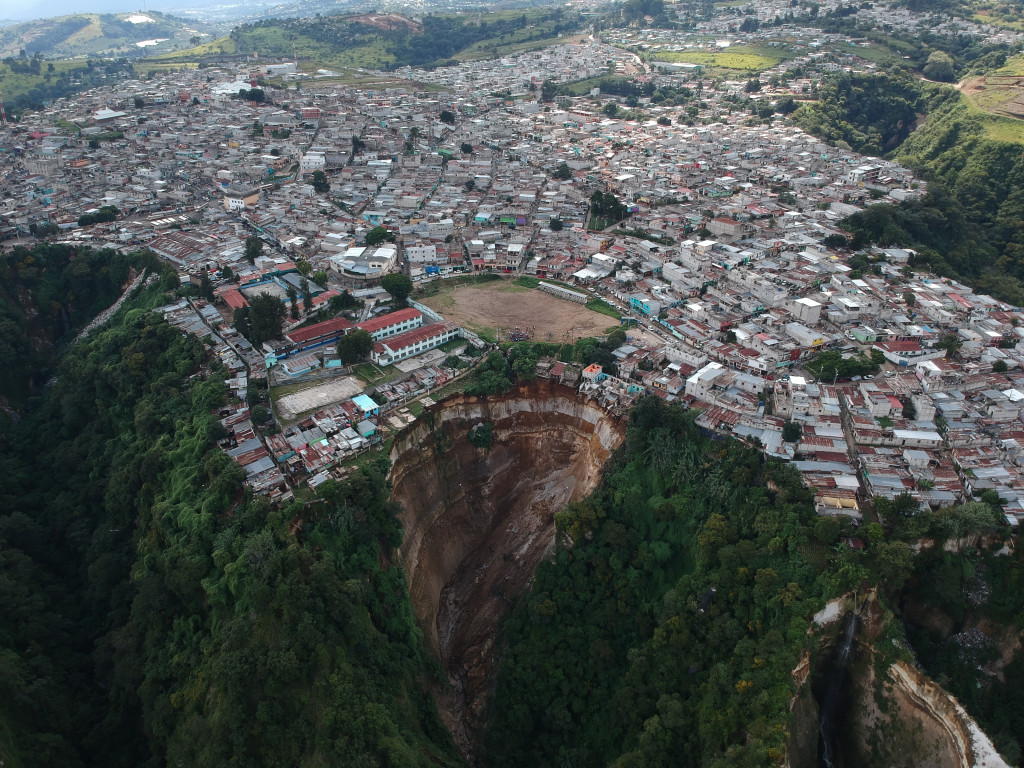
485,308
291,406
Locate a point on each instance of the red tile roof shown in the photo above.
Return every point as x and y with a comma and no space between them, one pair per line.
416,335
386,321
234,298
326,328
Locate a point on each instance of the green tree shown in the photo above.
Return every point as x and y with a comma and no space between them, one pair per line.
786,105
355,346
940,66
379,235
266,313
999,366
293,302
909,409
399,286
467,148
320,182
951,343
205,286
826,529
307,296
253,248
447,117
241,321
791,432
563,172
893,561
555,225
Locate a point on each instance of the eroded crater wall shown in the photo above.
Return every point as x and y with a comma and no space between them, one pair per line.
478,520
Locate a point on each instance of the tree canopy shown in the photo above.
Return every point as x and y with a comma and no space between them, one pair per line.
321,184
379,235
355,346
253,248
398,285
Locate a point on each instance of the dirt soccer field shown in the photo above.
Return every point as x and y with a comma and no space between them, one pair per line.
488,307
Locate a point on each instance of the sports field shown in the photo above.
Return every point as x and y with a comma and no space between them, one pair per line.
485,308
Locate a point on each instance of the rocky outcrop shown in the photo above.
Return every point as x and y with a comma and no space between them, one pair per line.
901,719
478,518
967,745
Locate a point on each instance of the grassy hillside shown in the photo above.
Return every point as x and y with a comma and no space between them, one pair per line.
385,41
92,34
28,83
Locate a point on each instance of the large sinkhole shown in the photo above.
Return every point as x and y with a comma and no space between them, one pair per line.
479,517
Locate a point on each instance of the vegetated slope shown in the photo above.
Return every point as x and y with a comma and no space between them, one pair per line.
90,34
971,222
30,81
388,40
869,113
155,614
45,294
622,654
667,628
963,617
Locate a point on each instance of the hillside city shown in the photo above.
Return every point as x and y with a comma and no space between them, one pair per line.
723,259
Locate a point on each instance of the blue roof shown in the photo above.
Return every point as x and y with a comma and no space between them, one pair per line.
365,403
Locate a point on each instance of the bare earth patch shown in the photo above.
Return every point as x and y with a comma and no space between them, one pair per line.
503,305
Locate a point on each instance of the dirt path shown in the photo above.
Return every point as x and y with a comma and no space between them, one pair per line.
106,314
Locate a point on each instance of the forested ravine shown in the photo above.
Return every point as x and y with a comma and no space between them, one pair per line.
479,514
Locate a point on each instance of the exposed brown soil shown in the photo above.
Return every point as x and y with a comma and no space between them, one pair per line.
1010,102
478,521
388,22
502,305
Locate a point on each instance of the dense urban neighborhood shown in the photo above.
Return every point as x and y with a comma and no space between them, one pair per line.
726,248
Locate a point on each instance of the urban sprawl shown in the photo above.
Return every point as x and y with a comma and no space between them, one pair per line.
719,271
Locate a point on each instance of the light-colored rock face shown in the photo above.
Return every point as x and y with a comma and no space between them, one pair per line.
921,725
478,521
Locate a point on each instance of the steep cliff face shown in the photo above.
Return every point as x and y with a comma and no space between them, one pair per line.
900,718
479,518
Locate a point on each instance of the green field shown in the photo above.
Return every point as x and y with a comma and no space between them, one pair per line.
275,41
602,306
14,84
1014,67
372,373
997,127
80,35
220,46
740,59
874,52
997,21
1004,129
